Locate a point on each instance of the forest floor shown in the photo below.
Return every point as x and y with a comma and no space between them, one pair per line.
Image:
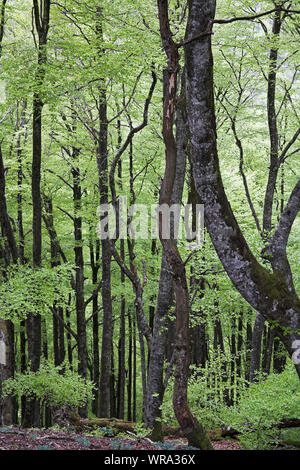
16,438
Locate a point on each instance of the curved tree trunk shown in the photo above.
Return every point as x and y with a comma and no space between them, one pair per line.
191,428
156,386
269,293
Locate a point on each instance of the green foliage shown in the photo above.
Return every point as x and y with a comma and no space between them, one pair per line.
6,429
263,405
208,392
140,430
83,441
46,447
105,431
51,386
33,290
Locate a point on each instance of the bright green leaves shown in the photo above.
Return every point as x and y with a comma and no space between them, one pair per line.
33,291
51,387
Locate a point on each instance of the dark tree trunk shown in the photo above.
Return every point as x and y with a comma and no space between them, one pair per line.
121,345
134,370
256,347
232,360
129,365
191,428
269,351
239,345
273,131
95,265
79,277
102,165
248,348
113,395
41,15
57,320
122,340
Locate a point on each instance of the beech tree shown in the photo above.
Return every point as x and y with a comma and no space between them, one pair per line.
82,125
270,292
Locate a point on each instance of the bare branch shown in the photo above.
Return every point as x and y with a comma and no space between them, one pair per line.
130,136
254,17
282,232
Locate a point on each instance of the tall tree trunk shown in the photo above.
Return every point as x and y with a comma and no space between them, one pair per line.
269,293
102,156
121,345
191,428
256,346
129,371
155,390
33,323
79,277
272,124
95,265
102,165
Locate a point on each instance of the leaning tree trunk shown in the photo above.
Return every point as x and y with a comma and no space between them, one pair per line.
269,293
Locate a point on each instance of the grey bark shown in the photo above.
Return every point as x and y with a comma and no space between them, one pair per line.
267,292
256,346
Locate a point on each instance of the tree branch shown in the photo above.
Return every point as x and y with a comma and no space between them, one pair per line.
253,17
279,240
130,136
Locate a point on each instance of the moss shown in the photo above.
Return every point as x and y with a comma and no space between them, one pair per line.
200,439
157,432
272,284
292,442
216,434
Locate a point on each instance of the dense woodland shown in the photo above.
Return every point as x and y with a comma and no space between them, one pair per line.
161,102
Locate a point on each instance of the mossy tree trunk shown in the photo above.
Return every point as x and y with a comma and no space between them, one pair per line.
270,293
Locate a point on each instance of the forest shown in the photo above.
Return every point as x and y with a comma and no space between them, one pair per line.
149,247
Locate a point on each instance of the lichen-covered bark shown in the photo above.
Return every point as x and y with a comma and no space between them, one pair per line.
267,292
191,428
256,346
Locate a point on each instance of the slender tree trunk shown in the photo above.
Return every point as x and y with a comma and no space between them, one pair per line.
79,277
248,348
102,165
256,346
129,365
134,371
122,345
155,391
272,123
191,428
95,258
41,15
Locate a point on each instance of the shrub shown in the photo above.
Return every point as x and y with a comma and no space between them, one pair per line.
264,405
50,386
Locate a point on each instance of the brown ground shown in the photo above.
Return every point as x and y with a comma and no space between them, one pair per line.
15,438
